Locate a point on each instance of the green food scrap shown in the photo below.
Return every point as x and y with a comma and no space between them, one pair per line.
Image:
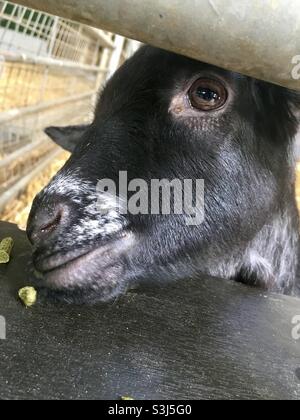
28,295
6,246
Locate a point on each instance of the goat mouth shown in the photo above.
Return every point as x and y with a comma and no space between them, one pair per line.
73,267
57,260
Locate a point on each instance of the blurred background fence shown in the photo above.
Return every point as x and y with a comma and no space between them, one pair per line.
50,71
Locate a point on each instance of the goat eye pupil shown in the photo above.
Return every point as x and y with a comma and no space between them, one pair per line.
207,95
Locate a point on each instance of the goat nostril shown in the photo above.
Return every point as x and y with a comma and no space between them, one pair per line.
46,221
52,225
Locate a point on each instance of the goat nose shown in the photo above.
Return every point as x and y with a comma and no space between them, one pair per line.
45,222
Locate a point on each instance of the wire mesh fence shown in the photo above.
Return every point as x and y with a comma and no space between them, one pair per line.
50,70
38,83
42,35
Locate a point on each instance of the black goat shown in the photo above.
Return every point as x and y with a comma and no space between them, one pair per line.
164,116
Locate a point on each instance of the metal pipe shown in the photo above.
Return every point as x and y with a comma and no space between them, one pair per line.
21,112
259,38
7,160
115,58
14,57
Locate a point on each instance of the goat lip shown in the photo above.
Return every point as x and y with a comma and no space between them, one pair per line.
86,267
57,261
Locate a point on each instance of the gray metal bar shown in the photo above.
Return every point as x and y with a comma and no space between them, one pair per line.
14,57
21,112
260,38
20,153
104,39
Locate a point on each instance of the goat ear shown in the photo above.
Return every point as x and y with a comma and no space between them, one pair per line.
67,137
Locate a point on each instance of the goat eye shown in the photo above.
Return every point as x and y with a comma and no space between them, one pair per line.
207,94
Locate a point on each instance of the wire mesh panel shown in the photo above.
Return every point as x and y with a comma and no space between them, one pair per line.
43,57
50,69
19,155
22,29
29,31
35,84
